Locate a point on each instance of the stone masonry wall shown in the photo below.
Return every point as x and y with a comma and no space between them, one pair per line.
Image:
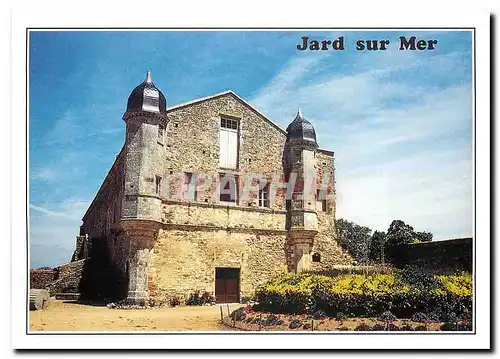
326,243
260,144
105,209
201,214
68,278
41,278
184,260
202,234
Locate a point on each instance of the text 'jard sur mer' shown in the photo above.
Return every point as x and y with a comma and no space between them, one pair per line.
412,43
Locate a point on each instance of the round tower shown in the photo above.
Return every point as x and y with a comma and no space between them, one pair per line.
146,119
300,171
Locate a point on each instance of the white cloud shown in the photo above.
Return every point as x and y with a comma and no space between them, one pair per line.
53,229
44,174
403,146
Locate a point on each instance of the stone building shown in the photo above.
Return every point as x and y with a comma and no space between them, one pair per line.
211,195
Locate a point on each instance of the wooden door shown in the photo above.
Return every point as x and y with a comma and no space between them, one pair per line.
227,285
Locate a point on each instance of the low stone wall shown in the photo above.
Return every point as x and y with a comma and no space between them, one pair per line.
63,279
41,278
451,254
68,279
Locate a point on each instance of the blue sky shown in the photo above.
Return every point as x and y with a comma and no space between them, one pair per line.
400,122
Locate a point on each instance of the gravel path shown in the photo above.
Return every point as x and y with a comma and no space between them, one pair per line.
71,316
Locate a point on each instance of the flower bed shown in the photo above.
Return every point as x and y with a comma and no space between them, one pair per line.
404,293
249,320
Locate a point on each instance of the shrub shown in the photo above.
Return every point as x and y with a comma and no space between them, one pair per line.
344,329
450,317
340,316
352,269
174,301
363,327
320,314
393,328
238,314
449,327
294,324
366,295
255,320
199,298
378,327
419,317
419,278
466,326
272,320
407,328
387,317
432,318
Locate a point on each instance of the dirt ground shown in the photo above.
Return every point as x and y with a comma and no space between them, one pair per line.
71,316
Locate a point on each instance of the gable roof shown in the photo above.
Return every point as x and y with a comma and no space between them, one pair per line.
225,93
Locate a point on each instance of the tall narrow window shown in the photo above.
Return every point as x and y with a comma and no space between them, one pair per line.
158,185
190,184
321,200
227,188
228,143
161,134
264,197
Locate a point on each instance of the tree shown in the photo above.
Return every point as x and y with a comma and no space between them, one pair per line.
355,239
423,236
399,233
376,248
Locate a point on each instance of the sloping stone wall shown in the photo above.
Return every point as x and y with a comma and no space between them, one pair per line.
62,279
68,278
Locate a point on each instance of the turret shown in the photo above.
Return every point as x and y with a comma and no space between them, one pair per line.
300,150
146,119
300,158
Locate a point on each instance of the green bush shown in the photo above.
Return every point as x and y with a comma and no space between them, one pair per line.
358,295
200,298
